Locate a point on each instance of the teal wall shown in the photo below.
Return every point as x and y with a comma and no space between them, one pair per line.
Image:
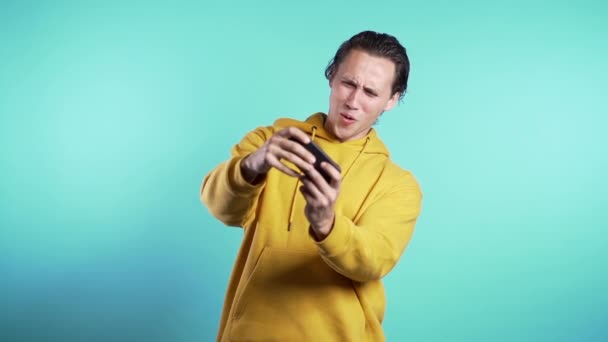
111,115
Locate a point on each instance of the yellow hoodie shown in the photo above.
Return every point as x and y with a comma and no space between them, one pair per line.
285,286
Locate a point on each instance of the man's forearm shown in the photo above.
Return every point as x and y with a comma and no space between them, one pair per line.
227,195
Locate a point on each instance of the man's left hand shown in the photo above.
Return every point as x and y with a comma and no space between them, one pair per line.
320,198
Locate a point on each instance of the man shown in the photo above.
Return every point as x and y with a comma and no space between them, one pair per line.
314,251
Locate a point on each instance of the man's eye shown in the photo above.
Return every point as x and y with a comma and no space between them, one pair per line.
371,94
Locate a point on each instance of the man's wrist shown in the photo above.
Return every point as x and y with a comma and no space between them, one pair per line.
252,177
322,231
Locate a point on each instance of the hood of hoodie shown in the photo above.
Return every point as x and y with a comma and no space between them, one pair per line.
314,125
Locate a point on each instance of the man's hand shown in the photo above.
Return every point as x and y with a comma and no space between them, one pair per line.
320,198
277,148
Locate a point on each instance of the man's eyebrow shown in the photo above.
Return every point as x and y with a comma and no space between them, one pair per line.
370,90
367,89
348,79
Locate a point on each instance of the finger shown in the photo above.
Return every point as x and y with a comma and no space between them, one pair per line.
309,197
334,174
298,149
280,141
295,139
314,192
317,178
282,154
276,163
296,133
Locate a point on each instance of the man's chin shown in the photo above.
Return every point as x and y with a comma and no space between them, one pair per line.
342,134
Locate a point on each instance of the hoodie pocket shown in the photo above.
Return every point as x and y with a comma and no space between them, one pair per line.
294,295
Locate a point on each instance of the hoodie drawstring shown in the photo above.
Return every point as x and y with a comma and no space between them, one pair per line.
357,157
295,190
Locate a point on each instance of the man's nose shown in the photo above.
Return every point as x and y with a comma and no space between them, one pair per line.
352,99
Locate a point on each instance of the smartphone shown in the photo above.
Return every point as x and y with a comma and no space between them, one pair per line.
320,156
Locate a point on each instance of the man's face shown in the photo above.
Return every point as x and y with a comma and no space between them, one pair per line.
360,92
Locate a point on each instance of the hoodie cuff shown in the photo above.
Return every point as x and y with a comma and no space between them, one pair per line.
238,184
336,242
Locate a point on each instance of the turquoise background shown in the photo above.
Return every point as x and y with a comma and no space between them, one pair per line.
112,113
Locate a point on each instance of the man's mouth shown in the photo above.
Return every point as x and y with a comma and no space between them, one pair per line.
348,117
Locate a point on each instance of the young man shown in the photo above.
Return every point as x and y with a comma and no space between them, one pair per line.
314,251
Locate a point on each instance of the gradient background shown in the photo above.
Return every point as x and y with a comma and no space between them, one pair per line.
111,115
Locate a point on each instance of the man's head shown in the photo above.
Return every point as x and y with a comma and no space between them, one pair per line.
378,45
368,75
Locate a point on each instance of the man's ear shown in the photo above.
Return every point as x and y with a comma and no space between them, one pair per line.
392,101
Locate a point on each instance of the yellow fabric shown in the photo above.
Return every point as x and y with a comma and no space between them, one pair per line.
284,285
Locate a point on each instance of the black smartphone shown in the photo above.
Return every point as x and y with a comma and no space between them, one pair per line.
320,156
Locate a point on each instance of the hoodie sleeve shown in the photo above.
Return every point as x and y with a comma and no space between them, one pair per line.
369,249
227,195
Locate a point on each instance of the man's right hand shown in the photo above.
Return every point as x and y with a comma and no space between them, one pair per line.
255,166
